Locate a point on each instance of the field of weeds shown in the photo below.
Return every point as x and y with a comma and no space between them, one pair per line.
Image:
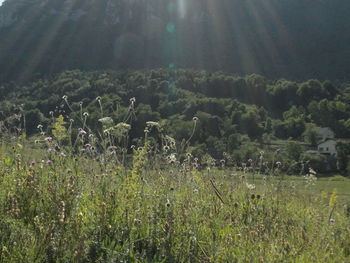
76,208
75,195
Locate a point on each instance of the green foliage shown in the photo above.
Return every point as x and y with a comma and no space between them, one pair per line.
310,134
76,209
229,107
59,131
293,150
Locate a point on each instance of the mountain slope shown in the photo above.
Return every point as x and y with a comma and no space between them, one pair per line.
294,39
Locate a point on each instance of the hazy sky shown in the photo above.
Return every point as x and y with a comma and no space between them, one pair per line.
1,1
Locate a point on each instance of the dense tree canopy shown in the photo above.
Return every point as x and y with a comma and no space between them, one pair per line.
230,117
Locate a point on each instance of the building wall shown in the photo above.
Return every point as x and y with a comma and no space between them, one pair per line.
328,147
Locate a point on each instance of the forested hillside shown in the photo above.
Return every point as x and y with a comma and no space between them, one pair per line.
237,114
294,39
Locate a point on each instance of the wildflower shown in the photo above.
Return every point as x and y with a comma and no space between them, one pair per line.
61,214
133,100
39,126
250,186
278,164
152,123
195,118
312,171
137,221
85,114
69,171
51,113
98,98
48,139
80,103
62,154
332,220
71,120
32,163
48,162
106,121
172,158
65,97
166,148
195,165
82,132
88,145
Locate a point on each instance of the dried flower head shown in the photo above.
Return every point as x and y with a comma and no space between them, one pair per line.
166,148
152,124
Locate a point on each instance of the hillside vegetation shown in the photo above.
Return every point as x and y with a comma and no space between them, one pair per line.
238,115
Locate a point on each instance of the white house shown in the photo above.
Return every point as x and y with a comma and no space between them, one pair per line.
325,133
328,147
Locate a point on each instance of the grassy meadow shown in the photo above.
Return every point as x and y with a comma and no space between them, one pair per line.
87,207
77,195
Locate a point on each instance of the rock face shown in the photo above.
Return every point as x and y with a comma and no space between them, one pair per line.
271,37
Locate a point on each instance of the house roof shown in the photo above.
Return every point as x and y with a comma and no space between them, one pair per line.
344,140
326,140
324,129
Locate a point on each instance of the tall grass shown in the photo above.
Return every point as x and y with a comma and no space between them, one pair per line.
73,197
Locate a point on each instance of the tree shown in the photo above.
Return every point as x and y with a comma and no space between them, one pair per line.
310,134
